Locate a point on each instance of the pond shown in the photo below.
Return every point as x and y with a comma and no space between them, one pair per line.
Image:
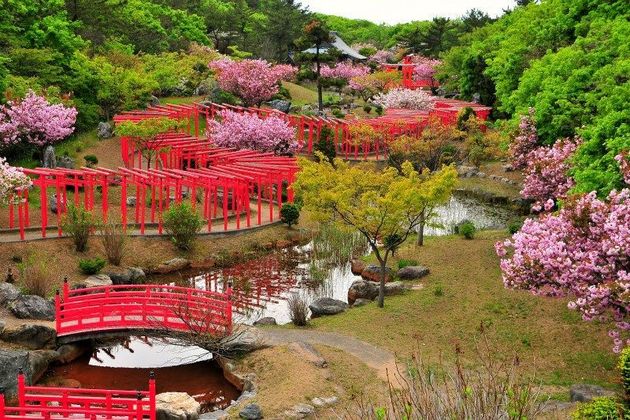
125,363
263,285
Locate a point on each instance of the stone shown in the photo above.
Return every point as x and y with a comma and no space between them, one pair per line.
104,130
307,352
360,302
373,273
131,201
33,307
2,325
587,392
170,266
8,293
97,280
137,275
65,162
176,406
154,100
280,105
364,289
38,361
467,171
300,411
412,272
31,336
251,412
11,361
553,406
49,161
215,415
357,267
507,167
324,401
268,320
52,203
327,306
69,352
129,275
243,341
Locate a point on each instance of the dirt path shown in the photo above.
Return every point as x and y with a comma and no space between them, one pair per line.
377,358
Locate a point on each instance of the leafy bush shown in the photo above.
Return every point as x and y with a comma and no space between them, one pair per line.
604,408
90,160
515,225
289,214
467,229
298,310
113,238
78,224
91,266
338,113
367,108
624,368
406,263
34,277
183,224
326,144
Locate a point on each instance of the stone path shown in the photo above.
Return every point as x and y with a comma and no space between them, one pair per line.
381,360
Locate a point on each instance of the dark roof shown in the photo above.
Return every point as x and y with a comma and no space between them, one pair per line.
339,44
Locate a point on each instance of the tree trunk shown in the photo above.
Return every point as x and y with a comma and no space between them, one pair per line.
420,240
320,92
381,288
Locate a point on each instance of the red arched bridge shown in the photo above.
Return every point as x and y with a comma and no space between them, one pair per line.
150,307
44,403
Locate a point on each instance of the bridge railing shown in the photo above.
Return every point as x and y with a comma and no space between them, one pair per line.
40,402
151,307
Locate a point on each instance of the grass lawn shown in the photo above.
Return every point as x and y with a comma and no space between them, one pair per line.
300,95
463,292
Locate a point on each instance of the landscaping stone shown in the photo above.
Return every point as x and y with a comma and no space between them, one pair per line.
364,289
170,266
52,203
49,161
33,307
176,406
65,162
251,412
244,341
373,273
467,171
97,280
412,272
268,320
69,352
104,130
215,415
280,105
327,306
307,352
357,266
31,336
2,325
11,361
360,302
8,293
38,361
324,401
587,392
300,411
131,201
154,100
130,275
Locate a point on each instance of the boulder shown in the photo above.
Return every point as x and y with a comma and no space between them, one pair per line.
33,307
360,302
38,361
131,201
97,280
215,415
357,267
11,361
327,306
412,272
587,392
49,161
467,171
52,203
65,162
31,336
364,289
251,412
69,352
268,320
104,130
154,100
8,293
373,273
130,275
176,406
170,266
300,411
280,105
307,352
242,341
324,401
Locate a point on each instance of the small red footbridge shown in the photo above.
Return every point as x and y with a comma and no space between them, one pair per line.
44,403
147,307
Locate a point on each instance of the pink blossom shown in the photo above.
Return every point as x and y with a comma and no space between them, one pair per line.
35,121
405,98
425,68
381,57
11,180
344,70
624,165
525,142
247,131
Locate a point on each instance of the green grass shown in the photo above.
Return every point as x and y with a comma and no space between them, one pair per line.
300,95
180,99
75,147
464,295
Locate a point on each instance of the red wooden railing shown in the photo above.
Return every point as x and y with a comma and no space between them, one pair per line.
150,307
40,402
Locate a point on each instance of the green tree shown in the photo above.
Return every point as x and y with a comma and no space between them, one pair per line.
384,206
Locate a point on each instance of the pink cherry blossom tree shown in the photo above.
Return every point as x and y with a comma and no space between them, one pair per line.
35,121
381,57
248,131
344,71
254,81
11,180
546,175
405,98
525,142
624,164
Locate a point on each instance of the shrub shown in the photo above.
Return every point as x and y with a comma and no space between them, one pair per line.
624,368
78,224
604,408
34,277
326,144
338,113
90,160
91,266
113,238
438,291
515,225
367,109
463,116
289,214
183,224
467,229
298,310
406,263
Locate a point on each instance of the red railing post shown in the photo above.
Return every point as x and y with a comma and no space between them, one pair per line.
228,308
21,391
57,311
152,395
139,397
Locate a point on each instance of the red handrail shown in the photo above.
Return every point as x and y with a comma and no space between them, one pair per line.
147,306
